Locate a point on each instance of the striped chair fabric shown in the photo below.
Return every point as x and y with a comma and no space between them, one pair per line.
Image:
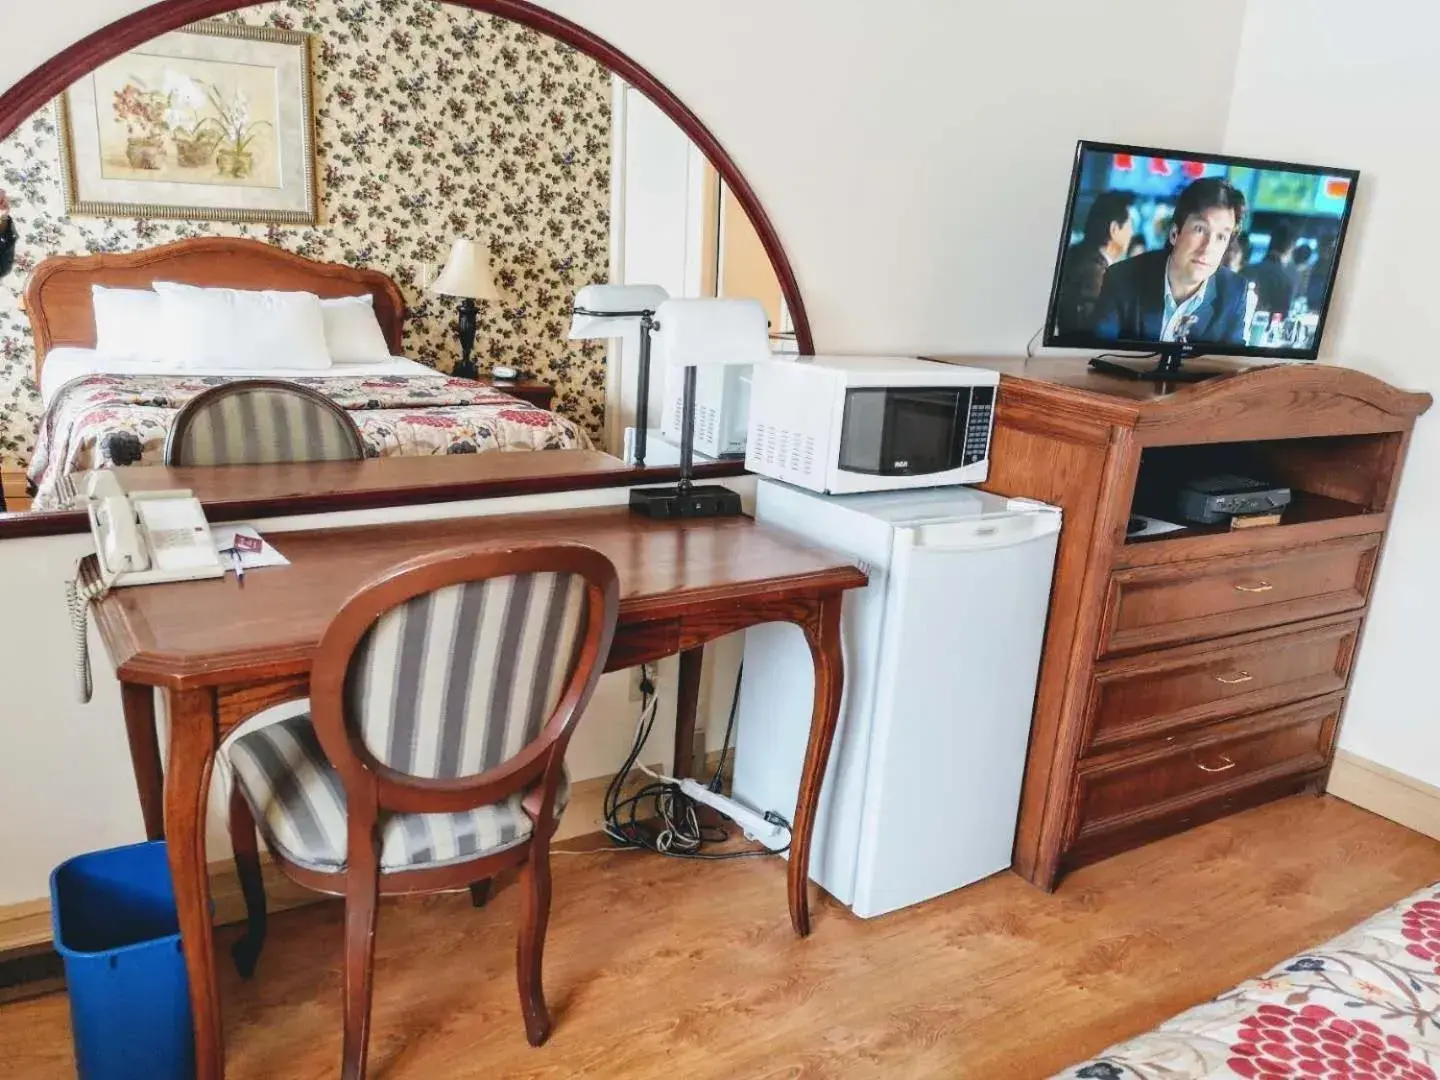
260,425
299,805
444,686
458,680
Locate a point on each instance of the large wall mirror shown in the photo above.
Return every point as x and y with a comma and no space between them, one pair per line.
340,149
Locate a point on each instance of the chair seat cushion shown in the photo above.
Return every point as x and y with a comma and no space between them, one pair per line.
299,805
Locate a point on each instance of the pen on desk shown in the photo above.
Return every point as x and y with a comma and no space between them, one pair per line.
239,567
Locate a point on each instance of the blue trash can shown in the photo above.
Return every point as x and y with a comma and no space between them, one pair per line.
117,929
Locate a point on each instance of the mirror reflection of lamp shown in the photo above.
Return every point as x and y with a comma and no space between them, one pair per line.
467,275
692,333
608,311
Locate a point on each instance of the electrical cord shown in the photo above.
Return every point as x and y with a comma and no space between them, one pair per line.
1030,345
729,731
672,825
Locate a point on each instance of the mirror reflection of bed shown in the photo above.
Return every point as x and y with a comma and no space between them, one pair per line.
113,402
564,175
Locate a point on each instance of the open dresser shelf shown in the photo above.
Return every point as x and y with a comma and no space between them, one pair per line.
1191,674
1305,509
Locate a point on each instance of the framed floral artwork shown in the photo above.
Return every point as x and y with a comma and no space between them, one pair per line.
210,123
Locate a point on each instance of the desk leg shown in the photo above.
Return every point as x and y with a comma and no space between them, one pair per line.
139,705
687,706
822,631
193,728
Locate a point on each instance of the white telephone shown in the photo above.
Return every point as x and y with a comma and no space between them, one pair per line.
141,539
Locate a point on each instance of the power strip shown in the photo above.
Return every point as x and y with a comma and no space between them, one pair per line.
774,836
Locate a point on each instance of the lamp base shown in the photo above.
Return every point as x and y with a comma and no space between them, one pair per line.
705,500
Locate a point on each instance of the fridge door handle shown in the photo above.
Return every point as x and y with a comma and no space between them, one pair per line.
985,533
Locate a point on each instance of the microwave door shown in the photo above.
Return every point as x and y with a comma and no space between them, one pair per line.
921,431
904,432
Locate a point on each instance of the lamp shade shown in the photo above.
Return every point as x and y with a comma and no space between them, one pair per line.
467,273
695,333
606,311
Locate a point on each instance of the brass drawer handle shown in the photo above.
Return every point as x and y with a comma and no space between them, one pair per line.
1236,679
1259,586
1217,768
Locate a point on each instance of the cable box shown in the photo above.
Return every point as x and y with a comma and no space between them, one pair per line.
1211,500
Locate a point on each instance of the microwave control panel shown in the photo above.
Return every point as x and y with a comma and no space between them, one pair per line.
977,425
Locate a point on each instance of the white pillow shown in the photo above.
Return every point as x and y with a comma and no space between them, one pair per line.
352,332
127,323
242,330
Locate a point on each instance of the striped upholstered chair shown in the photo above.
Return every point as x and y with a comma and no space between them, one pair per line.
261,422
442,698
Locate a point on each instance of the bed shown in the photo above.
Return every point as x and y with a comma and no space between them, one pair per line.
100,411
1362,1005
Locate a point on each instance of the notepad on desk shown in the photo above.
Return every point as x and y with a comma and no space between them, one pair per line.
226,537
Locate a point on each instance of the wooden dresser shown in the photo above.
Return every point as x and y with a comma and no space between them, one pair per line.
1191,675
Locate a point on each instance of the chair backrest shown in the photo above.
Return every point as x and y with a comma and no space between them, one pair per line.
261,422
459,676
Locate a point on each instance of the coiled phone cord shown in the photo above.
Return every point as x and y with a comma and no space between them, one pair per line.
78,597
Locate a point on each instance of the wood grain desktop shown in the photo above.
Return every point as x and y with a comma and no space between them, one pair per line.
222,653
658,969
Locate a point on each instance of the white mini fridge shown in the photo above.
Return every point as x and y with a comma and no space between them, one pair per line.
941,649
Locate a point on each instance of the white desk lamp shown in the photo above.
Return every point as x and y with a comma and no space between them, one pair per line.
607,311
467,275
691,333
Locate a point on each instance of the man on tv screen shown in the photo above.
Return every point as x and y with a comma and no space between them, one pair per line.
1277,277
1109,232
1183,293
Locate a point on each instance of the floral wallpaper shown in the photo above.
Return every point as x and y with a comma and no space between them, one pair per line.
433,121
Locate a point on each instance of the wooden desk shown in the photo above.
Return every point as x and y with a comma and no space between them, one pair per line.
221,653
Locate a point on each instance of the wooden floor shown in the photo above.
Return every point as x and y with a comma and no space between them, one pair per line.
665,969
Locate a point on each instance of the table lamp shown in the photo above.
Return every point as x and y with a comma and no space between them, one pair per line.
467,275
691,333
607,311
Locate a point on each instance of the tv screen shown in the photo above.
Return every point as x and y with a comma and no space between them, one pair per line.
1197,253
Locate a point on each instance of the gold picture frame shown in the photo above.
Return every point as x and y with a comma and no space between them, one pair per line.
213,122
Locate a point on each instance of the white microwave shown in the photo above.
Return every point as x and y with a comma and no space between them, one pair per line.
843,424
722,407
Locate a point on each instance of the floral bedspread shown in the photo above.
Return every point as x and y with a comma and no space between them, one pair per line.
1366,1004
101,420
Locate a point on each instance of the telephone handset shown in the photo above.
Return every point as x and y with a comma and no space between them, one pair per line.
141,539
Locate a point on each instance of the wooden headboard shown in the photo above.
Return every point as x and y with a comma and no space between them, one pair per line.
58,296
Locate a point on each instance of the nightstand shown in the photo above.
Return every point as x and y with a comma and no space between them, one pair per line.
536,393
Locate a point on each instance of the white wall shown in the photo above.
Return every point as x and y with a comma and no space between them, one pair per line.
1322,81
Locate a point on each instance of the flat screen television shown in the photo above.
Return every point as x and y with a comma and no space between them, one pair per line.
1177,254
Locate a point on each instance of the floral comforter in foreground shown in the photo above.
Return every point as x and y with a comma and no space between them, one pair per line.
1366,1004
102,420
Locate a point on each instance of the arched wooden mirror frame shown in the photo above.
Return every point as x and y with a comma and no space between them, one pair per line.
42,85
50,79
46,82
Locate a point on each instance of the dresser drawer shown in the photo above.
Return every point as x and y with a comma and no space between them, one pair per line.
1162,605
1167,778
1141,697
